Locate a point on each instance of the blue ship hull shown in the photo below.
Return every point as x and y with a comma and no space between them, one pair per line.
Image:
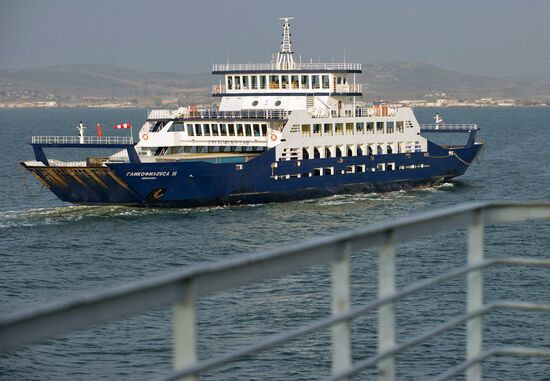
201,183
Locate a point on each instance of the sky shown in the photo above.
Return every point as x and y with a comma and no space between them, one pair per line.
507,38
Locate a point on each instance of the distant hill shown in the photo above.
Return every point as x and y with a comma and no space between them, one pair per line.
391,81
399,80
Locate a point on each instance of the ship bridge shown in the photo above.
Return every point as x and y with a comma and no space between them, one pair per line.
285,83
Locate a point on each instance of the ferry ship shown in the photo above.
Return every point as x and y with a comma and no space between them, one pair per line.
282,131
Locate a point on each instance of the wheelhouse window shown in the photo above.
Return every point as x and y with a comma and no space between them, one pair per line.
215,130
231,128
237,82
274,82
230,82
245,82
254,82
315,81
284,81
248,130
190,131
263,81
304,81
326,81
294,81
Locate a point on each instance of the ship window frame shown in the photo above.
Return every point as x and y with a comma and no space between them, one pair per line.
237,82
400,126
328,132
380,126
223,129
305,84
256,129
316,129
390,127
239,129
285,82
360,128
245,82
295,81
229,82
369,127
325,81
198,129
263,82
248,129
214,129
274,82
189,129
264,129
206,129
253,82
231,129
315,81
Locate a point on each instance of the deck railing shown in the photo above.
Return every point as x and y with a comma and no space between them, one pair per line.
182,289
86,140
294,66
449,127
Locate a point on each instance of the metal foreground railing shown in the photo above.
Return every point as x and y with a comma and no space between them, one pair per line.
183,288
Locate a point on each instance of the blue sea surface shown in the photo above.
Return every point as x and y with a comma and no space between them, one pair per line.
51,250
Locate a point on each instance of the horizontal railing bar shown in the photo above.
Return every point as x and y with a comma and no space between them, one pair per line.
320,324
372,361
524,261
353,313
31,325
503,351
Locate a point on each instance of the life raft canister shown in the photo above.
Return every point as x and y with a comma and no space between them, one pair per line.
145,136
273,137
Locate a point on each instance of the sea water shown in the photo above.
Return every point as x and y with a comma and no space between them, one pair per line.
51,250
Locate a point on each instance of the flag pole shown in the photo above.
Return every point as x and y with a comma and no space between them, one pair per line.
131,134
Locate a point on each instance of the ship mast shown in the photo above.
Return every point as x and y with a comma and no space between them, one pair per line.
285,60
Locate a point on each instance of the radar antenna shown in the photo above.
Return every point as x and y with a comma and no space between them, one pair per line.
285,60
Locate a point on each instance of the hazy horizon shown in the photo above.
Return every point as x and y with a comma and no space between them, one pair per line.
490,38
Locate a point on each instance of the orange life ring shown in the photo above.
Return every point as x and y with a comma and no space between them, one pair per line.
273,137
145,136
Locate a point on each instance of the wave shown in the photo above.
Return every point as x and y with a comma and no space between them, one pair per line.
71,214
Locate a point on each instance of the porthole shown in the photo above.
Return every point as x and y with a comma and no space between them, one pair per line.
254,103
277,103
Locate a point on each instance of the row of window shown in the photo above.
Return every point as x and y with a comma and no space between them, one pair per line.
350,150
282,81
226,129
359,128
360,168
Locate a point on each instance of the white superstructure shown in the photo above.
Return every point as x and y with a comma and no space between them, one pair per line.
303,109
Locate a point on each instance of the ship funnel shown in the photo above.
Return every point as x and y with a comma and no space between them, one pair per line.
285,60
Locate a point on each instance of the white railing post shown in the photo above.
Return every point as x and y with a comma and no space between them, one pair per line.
474,326
185,332
341,332
386,313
